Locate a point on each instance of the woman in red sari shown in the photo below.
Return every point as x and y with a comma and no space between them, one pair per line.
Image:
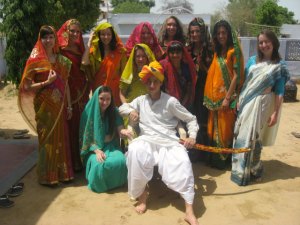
71,45
144,33
180,74
44,101
105,59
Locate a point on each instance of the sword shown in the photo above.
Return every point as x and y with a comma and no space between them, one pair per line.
200,147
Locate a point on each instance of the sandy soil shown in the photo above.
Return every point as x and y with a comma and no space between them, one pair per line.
274,200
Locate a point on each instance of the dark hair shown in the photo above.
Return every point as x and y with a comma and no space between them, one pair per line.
275,58
179,36
110,112
175,46
112,44
46,30
217,45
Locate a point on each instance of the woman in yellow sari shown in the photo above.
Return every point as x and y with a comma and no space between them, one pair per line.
44,102
224,81
130,84
105,59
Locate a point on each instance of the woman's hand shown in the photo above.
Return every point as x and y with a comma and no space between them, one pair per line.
134,116
100,155
125,133
225,103
52,76
188,142
273,119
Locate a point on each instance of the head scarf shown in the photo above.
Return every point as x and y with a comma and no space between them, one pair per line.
128,71
36,63
154,69
170,73
63,35
135,38
91,132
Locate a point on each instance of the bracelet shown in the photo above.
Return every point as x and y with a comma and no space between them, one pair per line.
227,98
69,108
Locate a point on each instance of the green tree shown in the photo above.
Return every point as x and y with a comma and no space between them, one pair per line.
147,3
87,12
241,11
268,14
21,21
131,7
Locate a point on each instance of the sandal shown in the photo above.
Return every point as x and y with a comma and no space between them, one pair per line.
5,202
15,190
21,136
20,132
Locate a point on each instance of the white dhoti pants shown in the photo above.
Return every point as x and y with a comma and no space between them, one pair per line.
173,165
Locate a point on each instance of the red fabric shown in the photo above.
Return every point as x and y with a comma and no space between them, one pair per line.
63,37
172,85
135,38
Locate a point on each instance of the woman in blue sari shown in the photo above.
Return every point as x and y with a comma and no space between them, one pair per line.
258,108
100,129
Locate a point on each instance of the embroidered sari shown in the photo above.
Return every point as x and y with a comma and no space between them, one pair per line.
45,112
180,84
220,123
106,71
135,38
112,173
79,89
255,108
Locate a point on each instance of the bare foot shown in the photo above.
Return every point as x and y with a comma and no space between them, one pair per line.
189,215
141,206
191,219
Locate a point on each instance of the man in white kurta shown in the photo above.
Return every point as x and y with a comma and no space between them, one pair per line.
158,114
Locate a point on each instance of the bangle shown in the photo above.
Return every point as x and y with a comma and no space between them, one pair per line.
227,98
69,108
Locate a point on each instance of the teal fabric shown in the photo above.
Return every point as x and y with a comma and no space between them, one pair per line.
112,173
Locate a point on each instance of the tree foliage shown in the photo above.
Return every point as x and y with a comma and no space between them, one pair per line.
131,7
22,19
241,11
269,13
177,6
146,3
20,32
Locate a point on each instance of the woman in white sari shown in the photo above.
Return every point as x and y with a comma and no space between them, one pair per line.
259,108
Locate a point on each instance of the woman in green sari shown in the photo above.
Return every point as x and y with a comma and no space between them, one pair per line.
100,129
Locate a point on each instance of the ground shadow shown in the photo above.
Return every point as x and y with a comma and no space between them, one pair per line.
277,170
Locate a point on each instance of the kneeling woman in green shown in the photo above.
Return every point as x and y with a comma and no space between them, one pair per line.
100,129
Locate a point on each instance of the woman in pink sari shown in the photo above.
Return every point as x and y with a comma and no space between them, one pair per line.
71,45
144,33
44,102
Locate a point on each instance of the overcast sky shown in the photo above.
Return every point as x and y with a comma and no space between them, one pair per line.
209,6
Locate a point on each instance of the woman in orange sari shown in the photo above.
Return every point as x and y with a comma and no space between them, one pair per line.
44,101
71,45
223,83
105,59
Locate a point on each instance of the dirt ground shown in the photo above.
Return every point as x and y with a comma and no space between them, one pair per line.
275,200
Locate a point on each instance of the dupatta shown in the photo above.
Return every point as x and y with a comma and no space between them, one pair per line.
36,63
91,132
173,85
135,38
128,71
63,36
94,51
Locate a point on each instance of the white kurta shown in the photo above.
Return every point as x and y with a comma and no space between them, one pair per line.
155,148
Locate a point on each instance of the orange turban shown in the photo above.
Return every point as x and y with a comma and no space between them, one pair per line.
154,69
